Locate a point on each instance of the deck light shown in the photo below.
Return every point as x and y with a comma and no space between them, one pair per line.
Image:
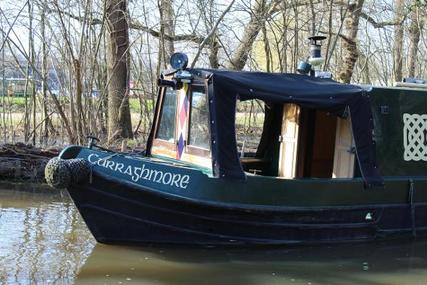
179,60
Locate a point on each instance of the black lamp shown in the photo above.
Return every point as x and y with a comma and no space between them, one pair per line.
179,61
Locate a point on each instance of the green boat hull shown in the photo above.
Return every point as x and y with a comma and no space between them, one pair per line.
134,199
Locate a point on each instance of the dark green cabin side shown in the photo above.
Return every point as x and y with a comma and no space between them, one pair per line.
400,119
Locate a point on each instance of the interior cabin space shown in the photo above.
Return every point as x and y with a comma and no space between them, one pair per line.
314,143
290,142
309,144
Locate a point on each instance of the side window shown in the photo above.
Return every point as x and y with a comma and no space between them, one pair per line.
184,115
249,126
166,129
199,119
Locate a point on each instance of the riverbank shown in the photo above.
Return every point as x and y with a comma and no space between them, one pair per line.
22,162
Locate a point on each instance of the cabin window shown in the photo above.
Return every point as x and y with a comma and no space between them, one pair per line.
256,154
199,119
166,129
183,128
249,126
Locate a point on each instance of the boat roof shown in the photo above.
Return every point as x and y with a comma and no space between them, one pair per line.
283,87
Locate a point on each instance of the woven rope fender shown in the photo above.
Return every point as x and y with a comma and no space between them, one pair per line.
61,173
80,170
57,173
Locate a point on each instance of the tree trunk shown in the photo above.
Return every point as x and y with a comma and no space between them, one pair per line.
417,24
4,88
79,91
119,120
166,47
213,53
166,7
258,17
295,51
284,48
26,103
398,41
349,45
267,50
33,72
45,134
72,106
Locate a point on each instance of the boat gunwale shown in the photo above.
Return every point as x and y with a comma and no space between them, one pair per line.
250,207
158,159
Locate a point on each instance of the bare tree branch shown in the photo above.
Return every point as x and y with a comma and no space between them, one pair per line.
11,25
211,33
376,24
371,20
136,25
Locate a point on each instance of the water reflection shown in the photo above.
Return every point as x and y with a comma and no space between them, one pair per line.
383,263
42,237
44,241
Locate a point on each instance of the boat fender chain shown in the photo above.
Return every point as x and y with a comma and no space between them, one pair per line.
61,173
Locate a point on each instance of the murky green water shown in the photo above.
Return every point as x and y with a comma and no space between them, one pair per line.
43,240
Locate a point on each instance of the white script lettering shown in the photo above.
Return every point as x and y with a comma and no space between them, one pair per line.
141,173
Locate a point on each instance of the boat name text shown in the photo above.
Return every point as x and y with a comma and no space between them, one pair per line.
143,172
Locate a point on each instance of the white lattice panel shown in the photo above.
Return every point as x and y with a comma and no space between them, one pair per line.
414,137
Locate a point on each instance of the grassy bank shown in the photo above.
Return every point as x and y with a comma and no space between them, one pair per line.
17,104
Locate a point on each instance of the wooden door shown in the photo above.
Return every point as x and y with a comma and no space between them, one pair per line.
289,141
344,150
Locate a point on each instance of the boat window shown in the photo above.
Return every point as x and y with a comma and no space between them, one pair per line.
249,126
183,130
254,123
199,119
166,129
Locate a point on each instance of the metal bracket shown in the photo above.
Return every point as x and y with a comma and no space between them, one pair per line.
412,206
352,150
92,141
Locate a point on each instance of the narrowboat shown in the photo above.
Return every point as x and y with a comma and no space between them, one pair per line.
335,163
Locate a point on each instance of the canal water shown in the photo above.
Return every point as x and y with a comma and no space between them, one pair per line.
43,240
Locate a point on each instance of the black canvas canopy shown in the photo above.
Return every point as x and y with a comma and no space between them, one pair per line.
226,87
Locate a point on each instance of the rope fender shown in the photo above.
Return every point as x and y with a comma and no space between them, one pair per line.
62,173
